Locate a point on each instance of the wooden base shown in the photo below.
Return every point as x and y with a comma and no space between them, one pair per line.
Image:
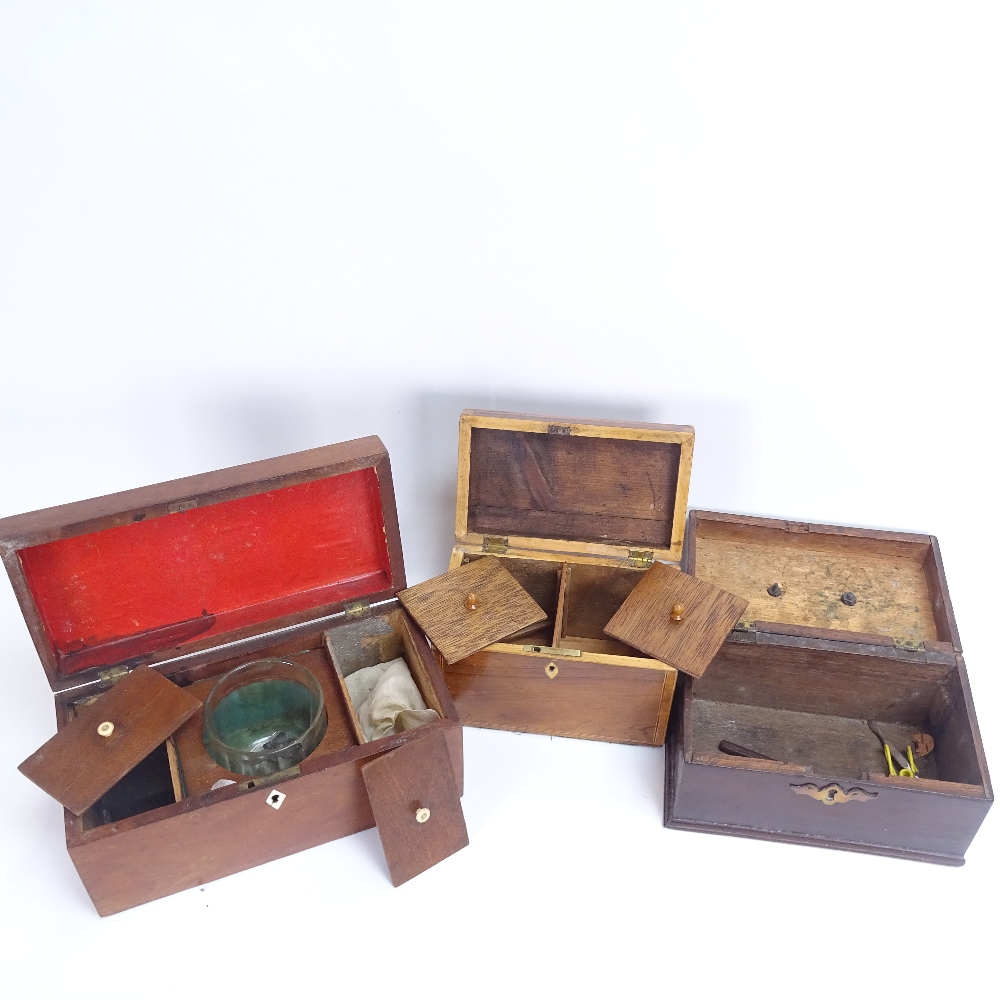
838,845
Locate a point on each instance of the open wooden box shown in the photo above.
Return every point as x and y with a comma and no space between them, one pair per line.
138,602
577,512
844,626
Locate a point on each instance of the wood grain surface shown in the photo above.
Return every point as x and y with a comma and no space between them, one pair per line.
438,606
573,485
615,699
845,681
78,765
644,619
894,580
827,744
416,776
577,488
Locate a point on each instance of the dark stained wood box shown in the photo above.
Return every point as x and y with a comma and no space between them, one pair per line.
139,601
843,626
576,512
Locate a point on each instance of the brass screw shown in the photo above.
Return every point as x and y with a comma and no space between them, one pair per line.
472,601
423,814
105,729
677,613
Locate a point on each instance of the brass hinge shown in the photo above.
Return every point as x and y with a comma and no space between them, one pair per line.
111,676
494,545
357,609
745,625
910,645
182,505
640,558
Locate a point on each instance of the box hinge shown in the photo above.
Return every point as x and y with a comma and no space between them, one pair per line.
640,558
111,676
910,645
745,625
357,609
494,545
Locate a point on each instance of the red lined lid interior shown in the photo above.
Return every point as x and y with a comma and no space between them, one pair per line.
129,591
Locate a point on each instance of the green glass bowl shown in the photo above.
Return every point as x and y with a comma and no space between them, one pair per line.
264,716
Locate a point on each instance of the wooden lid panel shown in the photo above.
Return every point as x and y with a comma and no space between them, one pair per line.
417,809
593,484
101,584
108,738
676,619
467,609
810,576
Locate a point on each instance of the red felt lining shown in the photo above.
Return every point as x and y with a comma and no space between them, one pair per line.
111,595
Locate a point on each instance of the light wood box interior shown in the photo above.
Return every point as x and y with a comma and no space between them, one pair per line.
578,599
605,689
586,489
897,582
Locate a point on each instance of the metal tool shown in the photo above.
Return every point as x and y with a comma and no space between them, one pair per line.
907,767
735,750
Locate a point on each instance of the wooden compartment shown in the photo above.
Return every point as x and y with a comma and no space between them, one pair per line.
566,678
577,512
292,557
844,626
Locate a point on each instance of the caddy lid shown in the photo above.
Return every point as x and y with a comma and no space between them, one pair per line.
158,572
416,805
585,487
676,619
108,738
468,608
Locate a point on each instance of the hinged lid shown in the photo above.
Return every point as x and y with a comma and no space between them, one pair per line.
466,609
676,619
416,805
108,738
828,582
584,487
158,572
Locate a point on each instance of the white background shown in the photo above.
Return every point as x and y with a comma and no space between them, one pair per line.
229,231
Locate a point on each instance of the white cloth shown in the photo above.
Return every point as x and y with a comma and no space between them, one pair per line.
386,700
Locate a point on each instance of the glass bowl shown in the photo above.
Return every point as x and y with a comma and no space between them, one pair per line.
264,716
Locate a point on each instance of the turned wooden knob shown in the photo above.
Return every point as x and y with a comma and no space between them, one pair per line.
677,613
472,601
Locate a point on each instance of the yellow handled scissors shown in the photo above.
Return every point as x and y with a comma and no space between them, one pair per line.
904,772
907,767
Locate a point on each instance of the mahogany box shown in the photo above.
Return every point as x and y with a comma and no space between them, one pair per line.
137,602
846,629
550,618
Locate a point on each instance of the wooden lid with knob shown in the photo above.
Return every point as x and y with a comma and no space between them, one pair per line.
468,608
676,619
